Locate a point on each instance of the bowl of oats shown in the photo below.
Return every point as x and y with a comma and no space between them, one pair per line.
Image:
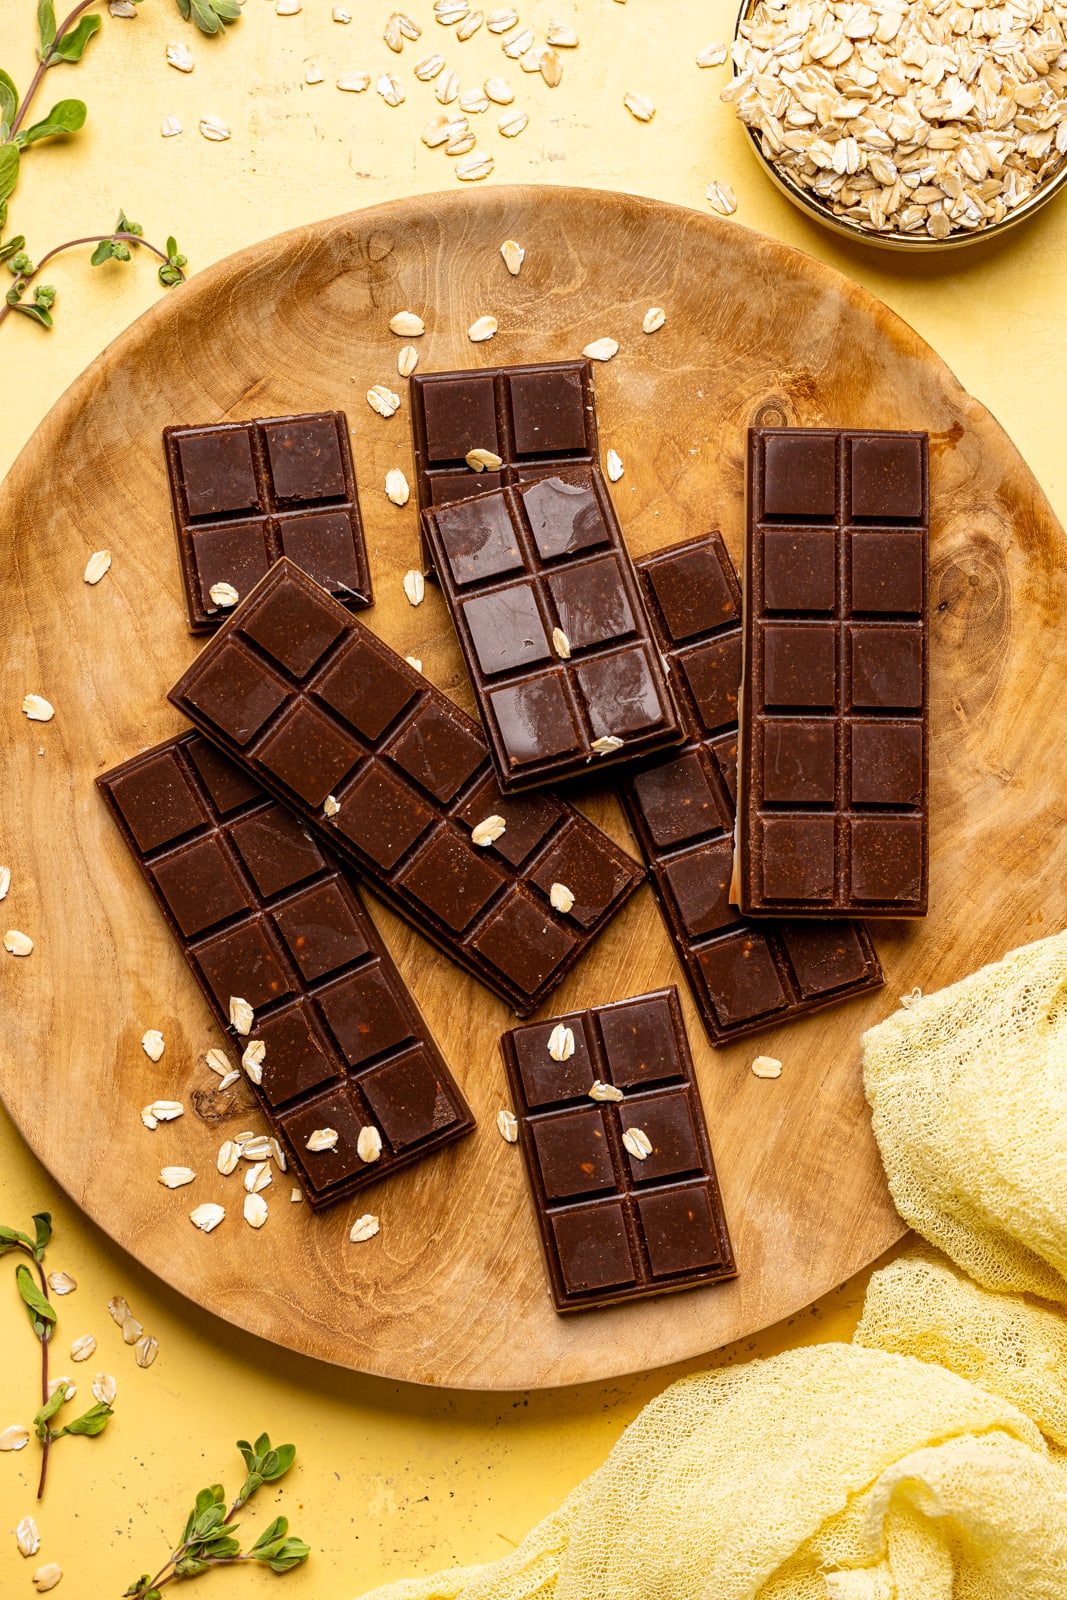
914,127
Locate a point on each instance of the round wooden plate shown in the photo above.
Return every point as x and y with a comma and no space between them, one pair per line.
453,1291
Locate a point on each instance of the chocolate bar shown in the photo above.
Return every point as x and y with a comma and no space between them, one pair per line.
264,914
398,779
549,617
245,493
536,419
744,975
617,1153
833,766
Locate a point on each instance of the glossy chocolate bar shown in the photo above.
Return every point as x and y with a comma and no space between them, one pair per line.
549,617
744,975
624,1188
833,762
398,779
263,914
537,419
246,493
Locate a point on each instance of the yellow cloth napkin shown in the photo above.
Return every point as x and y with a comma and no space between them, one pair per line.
928,1459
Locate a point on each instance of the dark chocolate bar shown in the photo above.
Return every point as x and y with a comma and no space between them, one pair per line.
245,493
744,975
549,617
833,765
398,779
536,419
623,1181
263,914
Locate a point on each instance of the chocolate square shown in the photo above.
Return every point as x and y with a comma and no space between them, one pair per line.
741,977
886,477
307,753
699,885
276,850
798,761
199,885
296,630
409,1099
235,692
799,475
459,415
680,1231
305,459
592,1248
800,665
158,802
242,963
236,553
534,719
563,517
452,878
381,815
296,1061
321,931
573,1153
639,1042
887,571
887,763
437,751
478,538
218,470
713,673
506,629
798,857
887,667
548,412
591,602
799,569
366,689
363,1014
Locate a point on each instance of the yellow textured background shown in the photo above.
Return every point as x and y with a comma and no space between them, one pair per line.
390,1479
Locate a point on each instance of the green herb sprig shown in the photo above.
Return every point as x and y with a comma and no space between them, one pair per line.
33,1289
64,43
208,1536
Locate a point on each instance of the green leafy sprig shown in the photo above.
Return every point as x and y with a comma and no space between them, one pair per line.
64,43
208,1536
210,16
32,1286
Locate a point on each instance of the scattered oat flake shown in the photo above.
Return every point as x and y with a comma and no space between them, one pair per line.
639,106
428,68
392,34
604,1091
5,882
313,73
637,1143
406,324
561,898
550,67
364,1228
913,995
407,361
483,460
322,1139
83,1347
601,349
214,128
229,1080
713,55
131,1330
228,1157
169,128
121,8
152,1044
287,8
224,595
256,1149
161,1111
68,1385
47,1577
278,1155
460,143
219,1062
482,329
615,466
146,1350
469,25
501,20
258,1177
383,400
414,661
721,198
531,61
561,644
516,47
607,744
511,125
27,1537
469,169
176,1177
507,1126
514,255
767,1067
37,708
180,57
98,563
118,1309
447,87
561,37
14,1437
396,487
499,90
561,1043
339,14
369,1144
241,1014
488,830
16,943
255,1210
207,1217
390,89
449,12
354,82
440,130
653,319
62,1283
104,1388
295,1196
414,586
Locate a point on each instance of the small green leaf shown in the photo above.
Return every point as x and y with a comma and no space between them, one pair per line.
218,1549
184,6
272,1532
46,26
277,1462
9,99
71,47
42,1220
124,225
135,1588
204,17
11,248
291,1554
19,265
37,313
41,1313
49,1409
206,1524
66,116
189,1566
91,1422
44,295
9,177
103,252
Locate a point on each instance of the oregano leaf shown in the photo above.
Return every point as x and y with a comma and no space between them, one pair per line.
9,177
9,99
71,47
42,1316
46,26
66,116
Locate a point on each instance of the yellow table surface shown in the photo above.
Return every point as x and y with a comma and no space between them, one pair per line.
391,1479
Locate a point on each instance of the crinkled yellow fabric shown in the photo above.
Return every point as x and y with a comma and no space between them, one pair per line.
928,1459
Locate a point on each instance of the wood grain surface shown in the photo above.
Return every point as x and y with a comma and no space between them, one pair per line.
453,1291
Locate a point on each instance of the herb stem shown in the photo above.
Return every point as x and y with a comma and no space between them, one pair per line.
47,1440
43,65
25,278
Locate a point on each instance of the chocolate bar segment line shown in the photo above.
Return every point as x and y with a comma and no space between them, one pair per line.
263,913
833,769
623,1182
536,418
397,779
745,975
244,494
546,607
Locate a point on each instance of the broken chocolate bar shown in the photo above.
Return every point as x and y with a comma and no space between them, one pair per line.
617,1153
264,914
398,779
